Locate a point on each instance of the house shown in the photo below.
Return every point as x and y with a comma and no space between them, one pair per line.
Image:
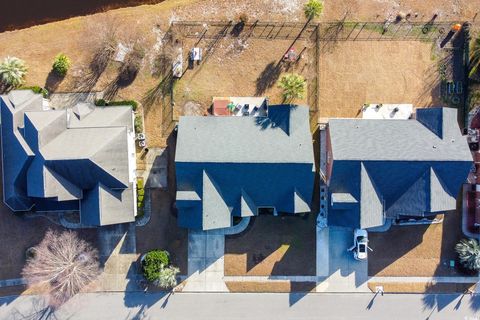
241,166
391,169
80,159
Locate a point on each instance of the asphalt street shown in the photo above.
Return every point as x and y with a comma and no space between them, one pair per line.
223,306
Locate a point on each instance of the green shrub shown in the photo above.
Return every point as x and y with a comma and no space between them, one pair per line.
100,102
140,183
61,64
132,103
104,103
153,263
36,89
138,123
140,198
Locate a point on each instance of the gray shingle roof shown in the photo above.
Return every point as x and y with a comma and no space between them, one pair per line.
396,167
230,166
407,140
56,156
246,139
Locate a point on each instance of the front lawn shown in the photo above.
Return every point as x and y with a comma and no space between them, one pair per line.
273,246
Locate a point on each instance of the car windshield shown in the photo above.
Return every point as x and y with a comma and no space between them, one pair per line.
361,248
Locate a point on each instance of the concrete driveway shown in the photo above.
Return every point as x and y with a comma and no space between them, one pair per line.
345,274
205,261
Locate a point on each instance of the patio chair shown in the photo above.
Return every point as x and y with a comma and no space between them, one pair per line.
459,87
450,87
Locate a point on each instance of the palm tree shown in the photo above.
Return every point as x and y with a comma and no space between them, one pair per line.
293,86
12,72
312,9
469,253
475,57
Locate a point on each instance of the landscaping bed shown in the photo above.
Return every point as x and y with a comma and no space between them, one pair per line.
273,246
420,250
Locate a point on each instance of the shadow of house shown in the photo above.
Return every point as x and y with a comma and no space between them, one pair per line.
277,246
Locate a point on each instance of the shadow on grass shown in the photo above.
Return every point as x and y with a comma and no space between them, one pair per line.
157,93
53,81
268,77
126,76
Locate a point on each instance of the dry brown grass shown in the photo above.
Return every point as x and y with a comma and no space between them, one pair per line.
423,250
273,246
270,286
232,71
358,72
422,287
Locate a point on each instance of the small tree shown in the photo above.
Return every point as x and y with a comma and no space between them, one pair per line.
13,72
61,64
313,9
293,86
168,277
62,266
153,263
469,253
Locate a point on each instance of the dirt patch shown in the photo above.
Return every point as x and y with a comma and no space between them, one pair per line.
422,250
422,287
270,286
353,73
273,246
